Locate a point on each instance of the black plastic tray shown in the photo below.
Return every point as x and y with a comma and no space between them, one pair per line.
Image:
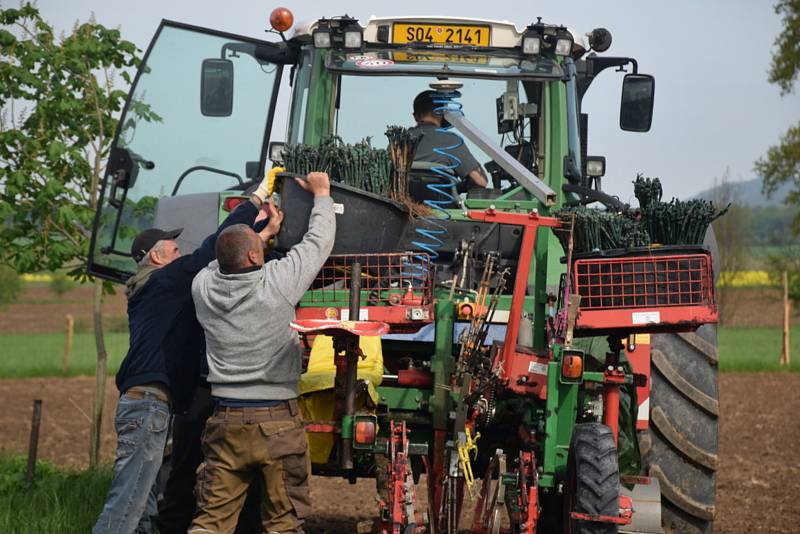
365,222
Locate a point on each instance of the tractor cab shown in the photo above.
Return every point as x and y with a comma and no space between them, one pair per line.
197,128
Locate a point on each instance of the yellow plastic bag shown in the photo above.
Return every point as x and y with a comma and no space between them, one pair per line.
317,400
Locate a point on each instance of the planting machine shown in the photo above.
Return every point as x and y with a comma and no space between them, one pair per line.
455,335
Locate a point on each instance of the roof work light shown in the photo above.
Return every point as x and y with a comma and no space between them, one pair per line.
541,37
322,38
563,45
595,166
531,43
340,32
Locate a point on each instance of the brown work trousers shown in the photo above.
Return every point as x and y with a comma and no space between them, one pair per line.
242,443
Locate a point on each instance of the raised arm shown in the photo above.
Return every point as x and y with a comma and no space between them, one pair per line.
297,270
245,213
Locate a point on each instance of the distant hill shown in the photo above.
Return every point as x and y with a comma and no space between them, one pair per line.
748,193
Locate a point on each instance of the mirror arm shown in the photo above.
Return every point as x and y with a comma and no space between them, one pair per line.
588,195
275,53
589,68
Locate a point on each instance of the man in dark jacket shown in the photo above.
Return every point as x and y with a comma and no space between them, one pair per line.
158,296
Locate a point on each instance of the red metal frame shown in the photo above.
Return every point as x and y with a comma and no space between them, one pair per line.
529,492
399,288
611,382
624,518
323,427
639,357
531,222
652,293
402,495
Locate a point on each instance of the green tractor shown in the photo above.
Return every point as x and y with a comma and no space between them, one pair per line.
453,334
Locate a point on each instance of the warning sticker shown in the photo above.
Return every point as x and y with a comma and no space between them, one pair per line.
537,368
374,63
646,317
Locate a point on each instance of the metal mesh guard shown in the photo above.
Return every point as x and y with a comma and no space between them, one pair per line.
387,277
639,282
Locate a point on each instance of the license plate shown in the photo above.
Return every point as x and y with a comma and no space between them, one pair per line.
441,34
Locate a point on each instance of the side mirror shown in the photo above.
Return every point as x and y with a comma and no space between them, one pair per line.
636,109
216,88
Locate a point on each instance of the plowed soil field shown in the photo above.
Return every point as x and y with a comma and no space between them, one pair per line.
758,483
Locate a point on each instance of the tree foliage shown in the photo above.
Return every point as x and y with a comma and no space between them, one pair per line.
59,97
782,162
786,60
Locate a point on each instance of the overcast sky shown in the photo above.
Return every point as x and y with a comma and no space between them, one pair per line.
713,109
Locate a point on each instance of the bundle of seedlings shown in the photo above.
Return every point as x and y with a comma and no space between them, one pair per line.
303,159
358,165
402,146
597,229
364,167
675,222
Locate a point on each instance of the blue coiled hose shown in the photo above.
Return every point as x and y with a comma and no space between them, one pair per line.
430,238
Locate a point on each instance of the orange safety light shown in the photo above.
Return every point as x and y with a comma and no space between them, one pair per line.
365,431
572,366
281,19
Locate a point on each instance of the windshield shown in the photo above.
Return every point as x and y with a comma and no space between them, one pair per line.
488,64
343,102
367,105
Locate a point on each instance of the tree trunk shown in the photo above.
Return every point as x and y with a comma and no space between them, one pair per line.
100,375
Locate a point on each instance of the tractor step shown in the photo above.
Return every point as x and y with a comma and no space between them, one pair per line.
646,506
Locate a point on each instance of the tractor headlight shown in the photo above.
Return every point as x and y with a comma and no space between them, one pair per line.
322,38
563,46
353,38
531,44
595,166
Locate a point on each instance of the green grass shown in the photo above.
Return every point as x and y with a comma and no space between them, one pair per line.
744,349
58,501
29,355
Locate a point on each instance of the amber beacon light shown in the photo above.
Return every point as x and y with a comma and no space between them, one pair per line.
281,19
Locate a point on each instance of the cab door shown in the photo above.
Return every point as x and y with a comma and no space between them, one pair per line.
196,122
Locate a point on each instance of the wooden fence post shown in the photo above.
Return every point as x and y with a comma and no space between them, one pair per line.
33,444
787,312
70,321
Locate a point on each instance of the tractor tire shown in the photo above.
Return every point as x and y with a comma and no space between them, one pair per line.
593,485
681,446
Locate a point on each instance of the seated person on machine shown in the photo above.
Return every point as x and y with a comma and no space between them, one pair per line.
428,123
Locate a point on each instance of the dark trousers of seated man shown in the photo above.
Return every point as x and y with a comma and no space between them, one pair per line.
178,505
241,445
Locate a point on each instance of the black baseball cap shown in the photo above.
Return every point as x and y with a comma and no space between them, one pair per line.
148,239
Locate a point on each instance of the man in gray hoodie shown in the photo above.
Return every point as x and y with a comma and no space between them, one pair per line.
254,361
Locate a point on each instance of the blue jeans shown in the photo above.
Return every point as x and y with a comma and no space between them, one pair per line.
141,426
